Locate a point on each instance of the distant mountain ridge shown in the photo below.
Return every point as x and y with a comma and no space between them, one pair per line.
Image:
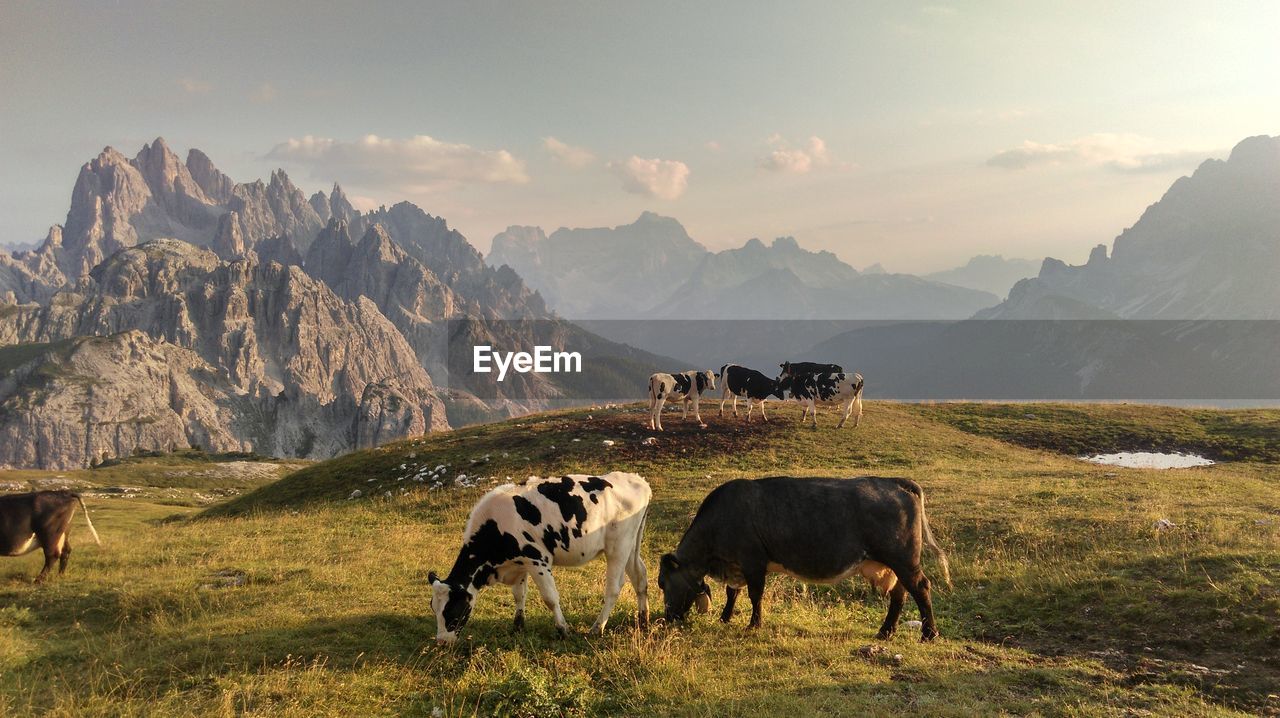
652,269
988,273
1208,249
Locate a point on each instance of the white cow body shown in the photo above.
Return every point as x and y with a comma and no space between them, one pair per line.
519,532
686,387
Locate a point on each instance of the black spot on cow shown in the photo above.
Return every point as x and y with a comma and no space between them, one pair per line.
528,536
595,483
577,533
571,507
530,551
682,383
527,510
551,538
482,576
489,546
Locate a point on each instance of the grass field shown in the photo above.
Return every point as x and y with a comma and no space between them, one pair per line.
294,599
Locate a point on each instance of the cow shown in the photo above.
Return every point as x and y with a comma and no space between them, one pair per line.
808,367
41,519
685,387
520,532
749,383
816,530
809,389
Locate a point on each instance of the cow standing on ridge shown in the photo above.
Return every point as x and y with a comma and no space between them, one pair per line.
817,530
41,519
809,389
685,387
749,383
519,532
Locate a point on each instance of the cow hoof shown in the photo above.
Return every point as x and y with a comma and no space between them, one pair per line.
884,635
702,426
562,632
927,636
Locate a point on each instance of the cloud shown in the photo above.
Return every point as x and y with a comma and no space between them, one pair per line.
713,145
419,163
192,86
566,154
264,93
1117,152
796,160
664,179
940,11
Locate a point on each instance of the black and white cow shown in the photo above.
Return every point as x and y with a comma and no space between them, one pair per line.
816,530
809,389
41,519
755,387
684,387
520,532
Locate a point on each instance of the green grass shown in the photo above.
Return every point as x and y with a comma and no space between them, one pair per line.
295,600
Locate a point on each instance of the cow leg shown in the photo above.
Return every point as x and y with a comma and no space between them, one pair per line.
65,555
639,577
755,591
897,596
762,416
50,557
655,412
685,406
724,395
751,406
551,597
848,409
735,404
519,590
614,577
918,586
813,406
697,415
730,597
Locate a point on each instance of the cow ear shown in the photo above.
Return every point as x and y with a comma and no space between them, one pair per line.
669,561
432,577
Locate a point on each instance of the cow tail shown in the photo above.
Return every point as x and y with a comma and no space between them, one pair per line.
857,401
635,550
89,521
928,541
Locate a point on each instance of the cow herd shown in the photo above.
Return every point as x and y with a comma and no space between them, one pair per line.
814,529
805,382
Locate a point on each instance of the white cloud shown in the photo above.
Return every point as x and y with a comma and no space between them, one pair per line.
713,145
664,179
264,93
566,154
1119,152
940,11
419,163
796,160
192,86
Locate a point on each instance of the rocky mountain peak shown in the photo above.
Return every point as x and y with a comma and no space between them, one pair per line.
215,185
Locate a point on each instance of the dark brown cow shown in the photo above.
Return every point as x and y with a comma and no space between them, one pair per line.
40,519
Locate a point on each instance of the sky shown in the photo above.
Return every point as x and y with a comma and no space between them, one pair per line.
910,134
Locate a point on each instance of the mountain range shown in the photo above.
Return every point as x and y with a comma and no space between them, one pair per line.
175,306
653,269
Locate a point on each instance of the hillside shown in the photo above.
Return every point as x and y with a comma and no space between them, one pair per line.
295,599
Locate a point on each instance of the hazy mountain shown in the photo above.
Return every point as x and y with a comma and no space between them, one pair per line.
988,273
1210,248
601,272
652,269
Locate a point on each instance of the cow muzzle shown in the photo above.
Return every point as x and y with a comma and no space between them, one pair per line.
446,639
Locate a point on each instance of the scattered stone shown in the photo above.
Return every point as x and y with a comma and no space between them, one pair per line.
356,494
1164,524
651,441
914,625
608,442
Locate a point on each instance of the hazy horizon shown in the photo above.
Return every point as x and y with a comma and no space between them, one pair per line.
913,136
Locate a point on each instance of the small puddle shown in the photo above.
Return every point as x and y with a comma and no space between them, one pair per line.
1149,460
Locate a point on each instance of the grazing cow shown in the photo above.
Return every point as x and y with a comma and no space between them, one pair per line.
684,387
808,367
41,519
749,383
817,530
517,532
809,389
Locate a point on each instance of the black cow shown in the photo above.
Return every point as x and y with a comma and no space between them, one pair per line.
749,383
40,519
793,368
817,530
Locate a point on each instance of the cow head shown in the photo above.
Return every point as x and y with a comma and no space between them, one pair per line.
681,587
786,369
706,381
452,606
